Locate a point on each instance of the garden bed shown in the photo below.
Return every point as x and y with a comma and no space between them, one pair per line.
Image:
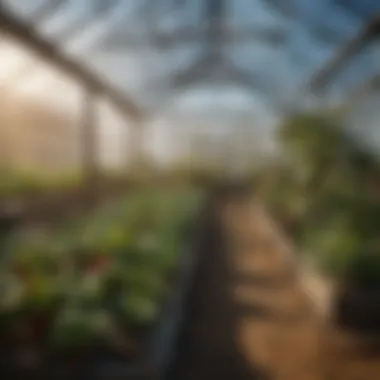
86,301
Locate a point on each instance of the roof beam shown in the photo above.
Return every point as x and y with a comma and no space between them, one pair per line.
28,35
45,10
369,33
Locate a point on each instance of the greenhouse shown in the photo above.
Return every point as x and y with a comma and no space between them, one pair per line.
189,190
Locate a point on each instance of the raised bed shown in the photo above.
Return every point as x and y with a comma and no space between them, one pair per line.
56,333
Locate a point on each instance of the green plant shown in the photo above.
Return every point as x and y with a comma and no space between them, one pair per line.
116,259
328,188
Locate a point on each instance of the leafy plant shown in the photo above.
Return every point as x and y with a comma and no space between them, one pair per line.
117,259
329,187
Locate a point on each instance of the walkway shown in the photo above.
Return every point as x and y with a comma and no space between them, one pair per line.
249,317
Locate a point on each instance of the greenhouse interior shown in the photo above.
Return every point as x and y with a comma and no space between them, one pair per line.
189,190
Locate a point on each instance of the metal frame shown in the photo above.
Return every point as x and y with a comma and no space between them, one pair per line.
94,86
28,35
213,58
215,29
369,33
214,34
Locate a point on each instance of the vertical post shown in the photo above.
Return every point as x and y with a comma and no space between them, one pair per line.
215,14
89,147
6,143
135,147
4,147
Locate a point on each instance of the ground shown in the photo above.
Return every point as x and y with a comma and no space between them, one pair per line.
250,317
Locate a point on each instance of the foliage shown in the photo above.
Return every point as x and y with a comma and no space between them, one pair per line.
26,183
329,187
111,265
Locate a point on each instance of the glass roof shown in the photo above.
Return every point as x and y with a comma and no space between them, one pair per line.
114,38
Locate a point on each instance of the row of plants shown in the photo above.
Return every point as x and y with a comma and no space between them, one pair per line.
22,182
17,182
327,189
99,281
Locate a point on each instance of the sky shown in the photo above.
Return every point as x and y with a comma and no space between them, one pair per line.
312,30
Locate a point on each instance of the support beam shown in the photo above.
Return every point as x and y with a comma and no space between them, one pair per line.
47,9
89,147
5,146
213,60
29,36
373,84
188,35
369,33
135,147
99,10
214,15
212,34
95,86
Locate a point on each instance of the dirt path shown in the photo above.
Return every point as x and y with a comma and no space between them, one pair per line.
250,318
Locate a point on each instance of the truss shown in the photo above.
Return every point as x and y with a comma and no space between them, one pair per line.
94,86
29,36
213,61
212,64
369,33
